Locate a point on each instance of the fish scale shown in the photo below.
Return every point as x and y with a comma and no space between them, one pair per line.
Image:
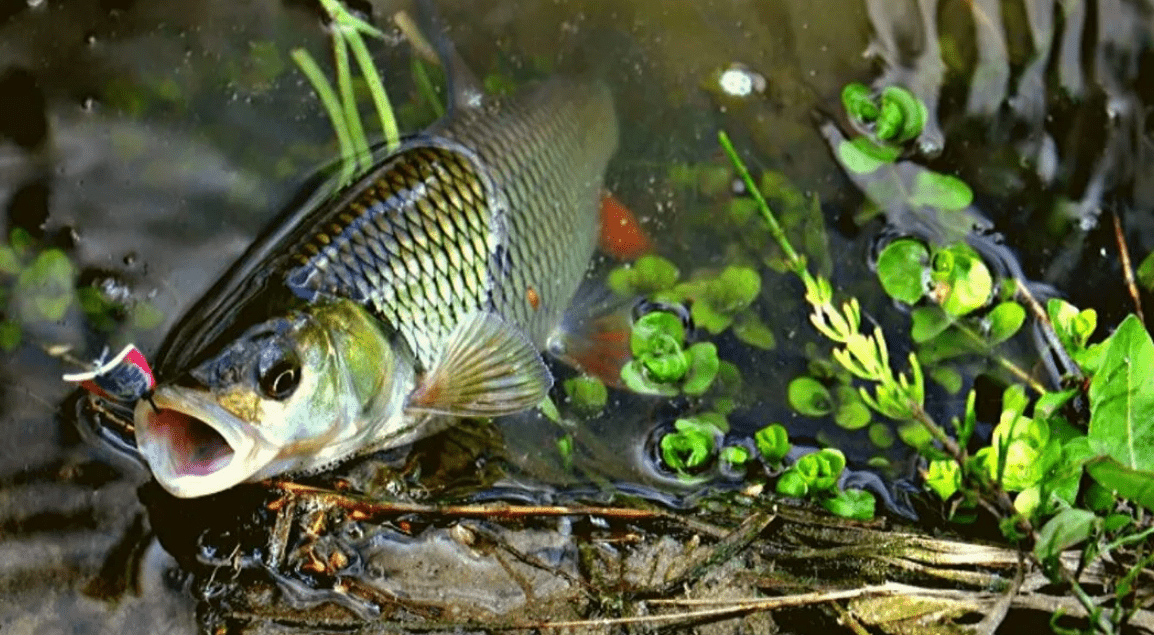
499,205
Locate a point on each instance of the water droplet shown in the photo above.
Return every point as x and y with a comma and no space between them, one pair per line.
35,3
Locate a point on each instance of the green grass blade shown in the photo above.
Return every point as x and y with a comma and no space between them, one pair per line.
425,86
377,89
324,91
342,17
349,100
774,228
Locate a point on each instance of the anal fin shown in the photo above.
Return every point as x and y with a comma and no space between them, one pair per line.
594,334
488,369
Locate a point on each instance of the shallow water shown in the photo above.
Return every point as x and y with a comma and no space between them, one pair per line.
174,131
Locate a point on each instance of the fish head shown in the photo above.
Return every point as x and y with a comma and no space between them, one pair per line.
293,393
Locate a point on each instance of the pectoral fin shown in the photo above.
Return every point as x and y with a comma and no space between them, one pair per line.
488,369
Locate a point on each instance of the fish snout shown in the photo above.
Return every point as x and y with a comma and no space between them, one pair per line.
194,447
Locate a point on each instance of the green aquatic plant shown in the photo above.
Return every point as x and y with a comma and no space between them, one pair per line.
341,105
816,475
647,276
587,393
895,115
735,457
773,443
1032,474
717,301
954,276
692,445
662,364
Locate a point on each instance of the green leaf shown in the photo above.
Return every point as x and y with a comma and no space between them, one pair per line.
901,266
44,289
792,484
650,274
821,470
549,409
1068,528
749,328
565,449
807,396
635,378
709,318
741,209
928,323
9,262
9,335
940,191
859,103
1020,452
666,366
855,504
962,281
587,393
902,116
862,156
1145,272
948,378
851,412
914,434
690,448
944,477
1073,327
145,316
1099,499
1049,403
1004,321
773,443
656,340
1131,484
947,345
1122,399
735,455
881,435
703,367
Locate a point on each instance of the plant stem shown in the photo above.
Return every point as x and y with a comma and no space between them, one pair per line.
349,100
1014,369
795,262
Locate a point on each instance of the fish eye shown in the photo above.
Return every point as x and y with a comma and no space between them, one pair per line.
281,378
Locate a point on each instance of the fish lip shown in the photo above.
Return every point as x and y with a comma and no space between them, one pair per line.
163,436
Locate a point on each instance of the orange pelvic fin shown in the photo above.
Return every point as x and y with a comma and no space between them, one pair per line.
621,234
594,334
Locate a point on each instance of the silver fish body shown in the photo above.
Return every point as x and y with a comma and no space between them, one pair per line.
496,213
422,292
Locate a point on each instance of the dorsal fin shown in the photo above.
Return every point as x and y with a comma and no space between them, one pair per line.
465,92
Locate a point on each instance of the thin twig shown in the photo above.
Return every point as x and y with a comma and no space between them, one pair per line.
1047,328
1127,268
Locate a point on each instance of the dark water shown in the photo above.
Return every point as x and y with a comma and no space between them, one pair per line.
153,141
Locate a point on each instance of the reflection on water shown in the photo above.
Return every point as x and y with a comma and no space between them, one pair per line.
152,141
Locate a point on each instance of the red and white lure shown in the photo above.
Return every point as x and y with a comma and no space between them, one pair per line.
126,377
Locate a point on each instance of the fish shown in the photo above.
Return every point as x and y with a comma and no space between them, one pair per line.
382,313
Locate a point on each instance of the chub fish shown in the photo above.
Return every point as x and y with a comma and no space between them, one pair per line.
422,292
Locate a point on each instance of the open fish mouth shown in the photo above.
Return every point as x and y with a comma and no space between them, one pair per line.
193,446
